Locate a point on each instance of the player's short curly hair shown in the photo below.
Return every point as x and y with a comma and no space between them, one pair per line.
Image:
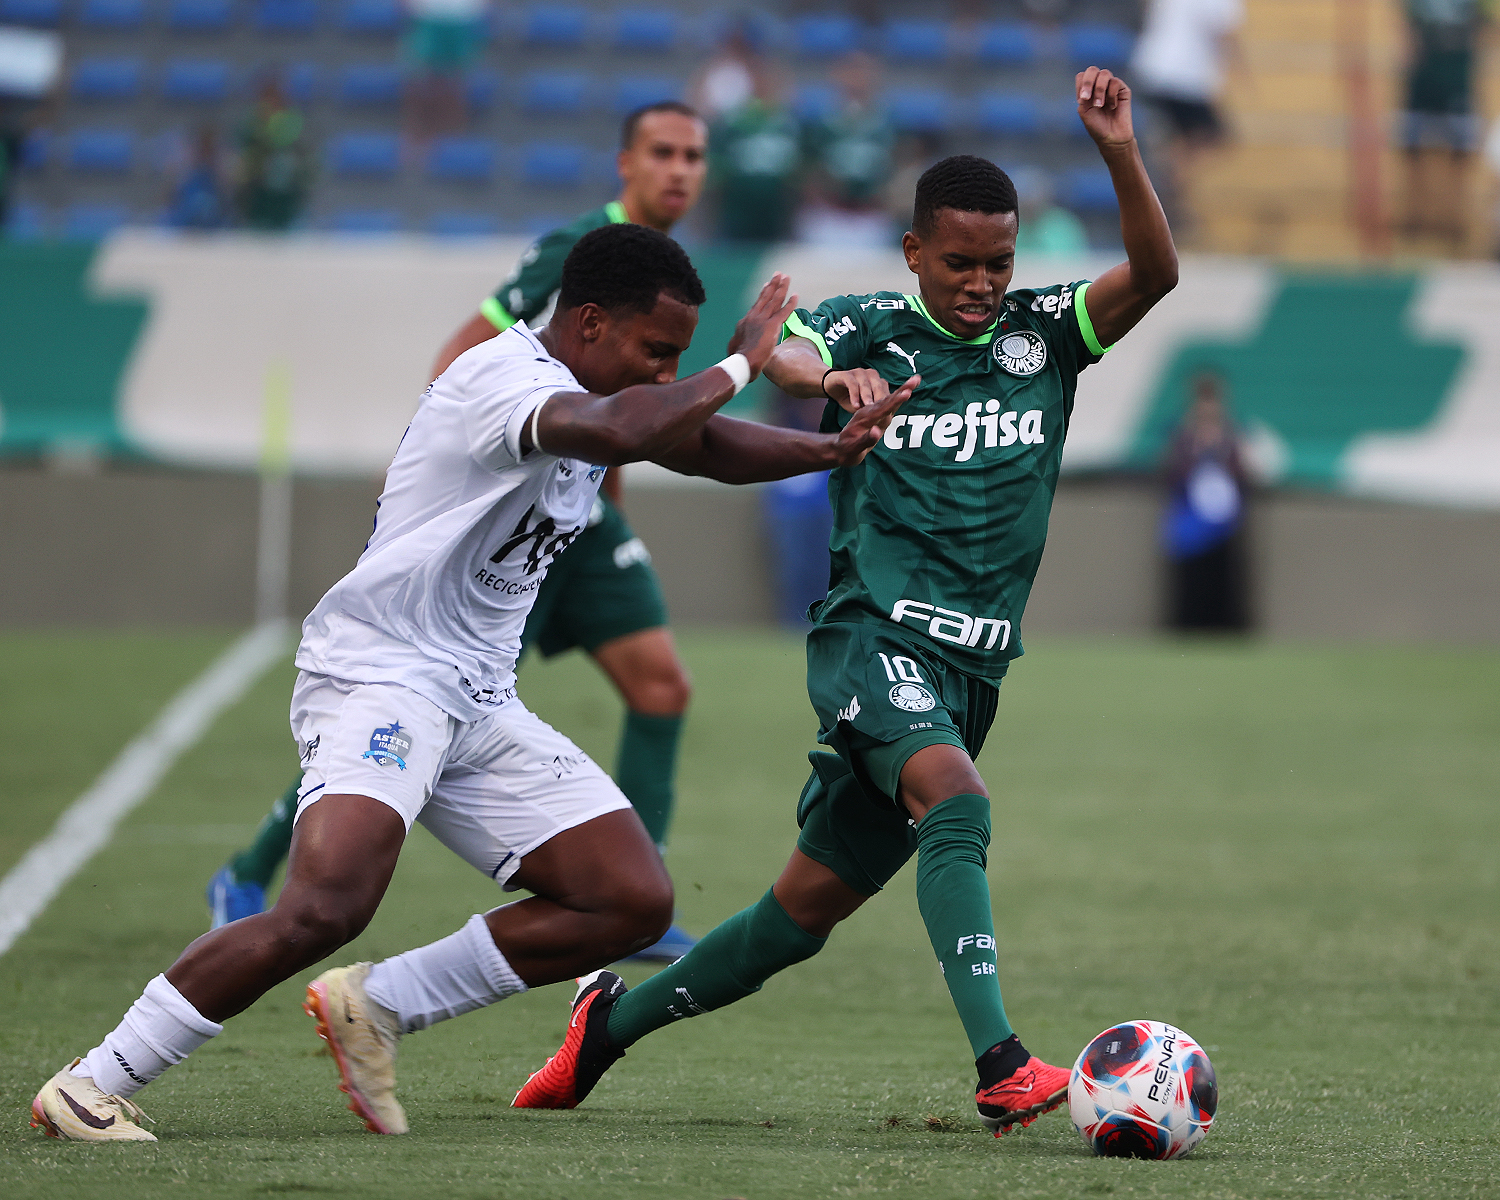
964,182
626,267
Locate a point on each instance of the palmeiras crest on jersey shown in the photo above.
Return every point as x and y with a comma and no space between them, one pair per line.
1021,352
912,697
389,744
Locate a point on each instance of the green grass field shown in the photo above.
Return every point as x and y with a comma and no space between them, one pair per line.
1289,851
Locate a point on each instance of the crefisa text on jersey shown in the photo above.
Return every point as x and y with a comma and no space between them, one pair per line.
907,432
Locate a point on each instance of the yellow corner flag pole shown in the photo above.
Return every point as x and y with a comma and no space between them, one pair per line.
273,565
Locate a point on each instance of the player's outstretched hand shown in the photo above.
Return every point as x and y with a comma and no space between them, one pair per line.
1104,106
867,426
852,390
760,329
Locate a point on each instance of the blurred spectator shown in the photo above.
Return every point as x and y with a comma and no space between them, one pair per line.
1440,130
199,199
914,154
1046,227
754,165
851,159
443,41
727,80
1178,67
1203,531
798,521
11,138
275,162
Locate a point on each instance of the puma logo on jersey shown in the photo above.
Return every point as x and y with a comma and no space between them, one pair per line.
950,625
910,358
961,432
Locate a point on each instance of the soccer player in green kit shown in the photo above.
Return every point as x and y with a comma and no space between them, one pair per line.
937,537
602,595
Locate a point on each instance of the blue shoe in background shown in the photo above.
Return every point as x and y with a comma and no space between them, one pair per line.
673,945
229,900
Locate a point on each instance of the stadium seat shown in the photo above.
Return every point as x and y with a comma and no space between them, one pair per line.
97,80
102,151
552,164
554,26
637,91
91,222
365,221
199,16
482,90
365,155
815,101
1088,190
45,14
1060,118
462,160
1006,44
27,221
371,17
122,15
286,16
1097,45
1009,114
370,85
463,224
196,81
915,41
827,35
301,82
919,110
554,93
36,149
646,30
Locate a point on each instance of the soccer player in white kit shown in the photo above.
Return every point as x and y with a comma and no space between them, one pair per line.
405,706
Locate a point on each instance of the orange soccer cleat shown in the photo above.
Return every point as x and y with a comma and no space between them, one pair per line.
1022,1096
570,1074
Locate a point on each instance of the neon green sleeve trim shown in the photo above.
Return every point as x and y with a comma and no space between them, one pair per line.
1085,325
496,313
796,327
615,211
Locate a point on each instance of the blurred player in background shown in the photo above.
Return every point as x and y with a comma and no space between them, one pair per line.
937,537
602,595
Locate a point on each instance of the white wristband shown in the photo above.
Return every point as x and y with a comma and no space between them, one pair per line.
737,367
536,414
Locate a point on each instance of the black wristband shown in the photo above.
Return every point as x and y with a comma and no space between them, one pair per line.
824,383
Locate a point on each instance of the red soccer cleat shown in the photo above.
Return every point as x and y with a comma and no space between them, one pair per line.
1022,1096
570,1074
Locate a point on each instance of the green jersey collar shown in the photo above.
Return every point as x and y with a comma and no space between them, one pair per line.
982,340
615,211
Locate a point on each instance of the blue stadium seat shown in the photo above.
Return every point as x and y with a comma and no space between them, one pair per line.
107,79
1060,118
815,101
1097,45
370,85
1007,44
558,27
36,150
919,110
120,15
827,35
199,16
646,30
92,222
1088,190
45,14
196,81
554,93
462,160
302,82
552,164
371,17
286,16
915,41
365,155
365,221
482,90
1009,114
102,151
637,91
463,224
27,221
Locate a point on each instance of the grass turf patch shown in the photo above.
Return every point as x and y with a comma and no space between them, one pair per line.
1287,850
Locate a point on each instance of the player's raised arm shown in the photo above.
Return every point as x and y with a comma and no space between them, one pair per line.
798,369
1119,298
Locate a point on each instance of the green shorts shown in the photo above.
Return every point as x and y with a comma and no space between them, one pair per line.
880,697
600,588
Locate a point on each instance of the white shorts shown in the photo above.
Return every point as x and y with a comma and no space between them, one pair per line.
491,790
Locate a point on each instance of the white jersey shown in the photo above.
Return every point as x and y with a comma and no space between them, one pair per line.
464,532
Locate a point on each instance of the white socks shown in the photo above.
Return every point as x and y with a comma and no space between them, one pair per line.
160,1030
455,975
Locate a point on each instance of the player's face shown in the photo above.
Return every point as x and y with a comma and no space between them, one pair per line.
624,349
663,168
964,266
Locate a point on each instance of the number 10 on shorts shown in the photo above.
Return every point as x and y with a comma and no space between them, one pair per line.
900,669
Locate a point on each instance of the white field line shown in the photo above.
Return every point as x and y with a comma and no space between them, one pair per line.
89,823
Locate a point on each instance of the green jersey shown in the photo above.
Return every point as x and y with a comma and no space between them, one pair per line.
941,528
531,286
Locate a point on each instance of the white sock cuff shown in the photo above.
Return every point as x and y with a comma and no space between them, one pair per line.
498,972
172,1001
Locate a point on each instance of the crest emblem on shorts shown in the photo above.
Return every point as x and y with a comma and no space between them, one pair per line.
1021,352
912,697
389,744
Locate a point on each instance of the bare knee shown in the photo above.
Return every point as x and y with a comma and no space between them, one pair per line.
664,692
315,926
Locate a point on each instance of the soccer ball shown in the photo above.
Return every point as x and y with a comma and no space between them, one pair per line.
1142,1090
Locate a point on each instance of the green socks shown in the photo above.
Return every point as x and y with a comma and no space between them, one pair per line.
644,768
954,898
272,840
730,963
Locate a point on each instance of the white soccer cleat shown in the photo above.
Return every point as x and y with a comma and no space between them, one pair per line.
363,1038
73,1108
